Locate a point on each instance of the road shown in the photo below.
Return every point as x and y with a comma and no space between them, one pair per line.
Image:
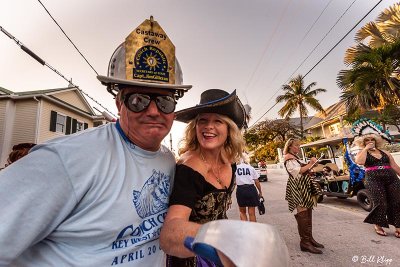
338,224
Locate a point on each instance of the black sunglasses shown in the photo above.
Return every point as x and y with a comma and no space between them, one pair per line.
138,102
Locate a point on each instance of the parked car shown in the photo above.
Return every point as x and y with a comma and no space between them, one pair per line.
263,174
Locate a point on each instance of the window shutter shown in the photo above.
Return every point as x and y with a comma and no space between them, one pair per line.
53,121
85,126
68,126
74,122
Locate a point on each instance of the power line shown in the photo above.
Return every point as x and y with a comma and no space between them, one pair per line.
315,22
342,38
68,37
268,44
333,26
324,56
310,51
298,45
42,62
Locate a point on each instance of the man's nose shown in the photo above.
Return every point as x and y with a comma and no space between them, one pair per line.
152,108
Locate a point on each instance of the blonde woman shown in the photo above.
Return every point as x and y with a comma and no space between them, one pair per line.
205,172
381,173
301,194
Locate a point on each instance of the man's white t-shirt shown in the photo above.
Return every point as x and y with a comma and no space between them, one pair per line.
90,199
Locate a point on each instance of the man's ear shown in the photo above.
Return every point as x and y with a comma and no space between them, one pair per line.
118,100
119,103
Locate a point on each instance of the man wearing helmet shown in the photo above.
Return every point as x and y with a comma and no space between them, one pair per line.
99,198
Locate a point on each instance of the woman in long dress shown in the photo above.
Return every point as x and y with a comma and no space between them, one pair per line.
381,179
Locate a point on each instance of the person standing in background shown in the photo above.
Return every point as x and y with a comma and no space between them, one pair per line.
246,191
381,175
19,151
301,194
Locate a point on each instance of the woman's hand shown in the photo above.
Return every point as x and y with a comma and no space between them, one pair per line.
370,146
313,160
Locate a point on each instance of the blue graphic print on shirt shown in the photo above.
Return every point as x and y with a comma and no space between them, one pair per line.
153,197
151,204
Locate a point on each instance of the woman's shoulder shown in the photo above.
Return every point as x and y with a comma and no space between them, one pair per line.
186,157
385,152
289,157
191,160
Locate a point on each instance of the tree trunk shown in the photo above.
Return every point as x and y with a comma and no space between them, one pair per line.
301,123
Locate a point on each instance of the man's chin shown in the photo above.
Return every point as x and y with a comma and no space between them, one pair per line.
157,134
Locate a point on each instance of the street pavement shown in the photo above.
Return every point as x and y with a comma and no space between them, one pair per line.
338,224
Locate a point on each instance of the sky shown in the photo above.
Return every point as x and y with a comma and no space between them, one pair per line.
253,46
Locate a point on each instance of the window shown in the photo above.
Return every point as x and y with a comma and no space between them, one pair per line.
79,126
65,124
60,123
335,129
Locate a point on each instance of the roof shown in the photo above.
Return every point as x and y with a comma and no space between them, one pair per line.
36,92
48,93
4,91
332,112
296,121
327,141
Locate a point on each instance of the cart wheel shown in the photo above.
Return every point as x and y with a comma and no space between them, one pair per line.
364,199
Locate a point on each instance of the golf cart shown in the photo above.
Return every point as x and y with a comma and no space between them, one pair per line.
337,183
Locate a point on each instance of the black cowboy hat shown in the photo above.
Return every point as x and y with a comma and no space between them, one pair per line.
216,101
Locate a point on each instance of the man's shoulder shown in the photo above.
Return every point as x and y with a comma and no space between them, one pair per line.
89,138
166,152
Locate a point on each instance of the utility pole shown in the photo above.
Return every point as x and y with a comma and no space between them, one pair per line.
170,141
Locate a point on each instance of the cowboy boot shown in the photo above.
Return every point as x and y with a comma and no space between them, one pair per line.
315,243
305,242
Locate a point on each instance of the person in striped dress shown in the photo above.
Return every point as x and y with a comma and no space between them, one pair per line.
301,194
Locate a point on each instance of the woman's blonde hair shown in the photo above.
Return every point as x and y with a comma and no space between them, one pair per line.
379,142
289,144
234,144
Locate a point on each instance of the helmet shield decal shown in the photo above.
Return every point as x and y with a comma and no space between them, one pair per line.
150,54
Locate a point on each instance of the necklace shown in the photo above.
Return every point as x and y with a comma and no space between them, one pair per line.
215,173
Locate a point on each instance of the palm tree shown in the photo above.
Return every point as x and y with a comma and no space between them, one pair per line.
385,30
297,98
373,80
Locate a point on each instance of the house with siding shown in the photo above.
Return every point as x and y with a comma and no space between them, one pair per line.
330,124
333,125
38,116
332,128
